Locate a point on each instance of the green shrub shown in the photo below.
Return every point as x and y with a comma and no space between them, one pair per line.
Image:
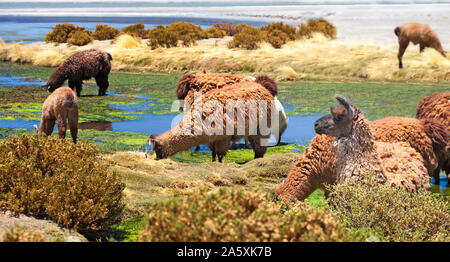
249,38
55,179
239,216
79,38
161,37
105,32
136,30
395,214
186,32
319,25
60,33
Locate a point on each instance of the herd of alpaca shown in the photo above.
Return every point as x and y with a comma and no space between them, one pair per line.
402,152
427,136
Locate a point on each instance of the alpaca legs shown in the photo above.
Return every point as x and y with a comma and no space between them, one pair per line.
436,176
78,86
401,50
46,126
62,126
73,124
255,143
103,84
71,84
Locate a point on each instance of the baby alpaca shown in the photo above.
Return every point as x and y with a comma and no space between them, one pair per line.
418,34
359,155
60,106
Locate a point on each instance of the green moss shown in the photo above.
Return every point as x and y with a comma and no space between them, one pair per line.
377,100
128,230
239,156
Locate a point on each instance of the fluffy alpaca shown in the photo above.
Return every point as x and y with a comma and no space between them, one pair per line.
82,66
418,34
437,107
203,82
359,155
177,140
317,166
60,106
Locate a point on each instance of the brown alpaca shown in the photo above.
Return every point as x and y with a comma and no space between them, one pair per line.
60,106
177,140
82,66
317,166
203,82
359,155
437,107
417,34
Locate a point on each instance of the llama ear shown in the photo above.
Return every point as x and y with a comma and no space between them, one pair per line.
344,102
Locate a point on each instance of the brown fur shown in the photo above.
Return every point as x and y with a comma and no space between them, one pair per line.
203,82
437,107
60,106
168,144
359,155
318,164
81,66
268,83
417,34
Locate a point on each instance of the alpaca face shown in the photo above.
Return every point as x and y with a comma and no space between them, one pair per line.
157,147
339,123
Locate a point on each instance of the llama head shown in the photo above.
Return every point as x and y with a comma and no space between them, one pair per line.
157,147
339,122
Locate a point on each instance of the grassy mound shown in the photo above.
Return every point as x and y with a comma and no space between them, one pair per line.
55,179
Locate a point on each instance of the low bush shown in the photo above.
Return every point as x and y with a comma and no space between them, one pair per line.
105,32
237,215
60,33
213,32
79,38
394,214
55,179
277,38
249,38
186,32
238,28
288,30
136,30
319,25
226,27
161,37
229,28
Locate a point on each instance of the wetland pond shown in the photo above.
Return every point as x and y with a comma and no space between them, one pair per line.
136,114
